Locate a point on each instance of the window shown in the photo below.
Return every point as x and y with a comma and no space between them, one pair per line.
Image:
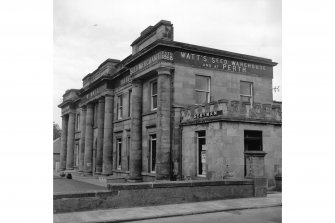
253,140
128,151
152,145
129,103
118,153
77,155
202,89
77,122
201,153
95,117
246,91
119,107
154,95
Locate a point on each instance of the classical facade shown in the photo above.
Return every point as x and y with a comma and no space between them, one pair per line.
172,110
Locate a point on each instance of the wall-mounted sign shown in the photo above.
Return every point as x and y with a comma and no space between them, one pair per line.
162,55
203,156
221,63
207,114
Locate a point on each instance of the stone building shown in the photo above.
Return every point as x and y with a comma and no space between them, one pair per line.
173,110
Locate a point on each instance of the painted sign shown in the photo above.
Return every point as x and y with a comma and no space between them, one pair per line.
125,80
162,55
207,114
221,63
94,93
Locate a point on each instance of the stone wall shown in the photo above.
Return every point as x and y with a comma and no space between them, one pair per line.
223,85
158,193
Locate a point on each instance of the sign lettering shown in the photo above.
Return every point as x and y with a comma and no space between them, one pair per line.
207,114
221,63
162,55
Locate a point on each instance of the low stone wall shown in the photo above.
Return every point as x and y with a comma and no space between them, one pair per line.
158,193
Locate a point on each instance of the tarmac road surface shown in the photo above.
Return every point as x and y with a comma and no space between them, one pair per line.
259,215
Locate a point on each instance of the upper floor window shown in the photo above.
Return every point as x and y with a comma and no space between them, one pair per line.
202,89
129,103
246,91
119,107
154,95
77,122
95,116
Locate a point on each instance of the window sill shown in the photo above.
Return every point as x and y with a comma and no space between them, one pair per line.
121,120
149,113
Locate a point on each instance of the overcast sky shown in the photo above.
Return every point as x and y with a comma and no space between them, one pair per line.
87,32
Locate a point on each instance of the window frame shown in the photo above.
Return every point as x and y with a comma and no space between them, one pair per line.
129,102
197,150
119,107
77,122
118,153
151,140
152,96
198,90
251,96
77,160
128,151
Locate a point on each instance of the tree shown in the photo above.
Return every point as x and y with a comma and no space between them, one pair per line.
57,131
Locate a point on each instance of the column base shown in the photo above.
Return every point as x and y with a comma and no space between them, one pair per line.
135,180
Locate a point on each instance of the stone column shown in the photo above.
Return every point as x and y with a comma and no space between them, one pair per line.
101,114
163,165
62,164
88,139
107,160
82,138
70,142
135,153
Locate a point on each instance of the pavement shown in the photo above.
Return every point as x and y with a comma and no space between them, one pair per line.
61,185
172,210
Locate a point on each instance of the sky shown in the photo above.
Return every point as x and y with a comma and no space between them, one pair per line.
87,32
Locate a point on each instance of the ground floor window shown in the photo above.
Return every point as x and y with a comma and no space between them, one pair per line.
201,153
77,155
253,141
152,148
128,152
118,153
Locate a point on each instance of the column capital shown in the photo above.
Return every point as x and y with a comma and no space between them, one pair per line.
164,70
89,106
136,82
83,108
101,100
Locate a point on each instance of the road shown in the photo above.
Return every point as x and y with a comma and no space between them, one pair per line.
260,215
